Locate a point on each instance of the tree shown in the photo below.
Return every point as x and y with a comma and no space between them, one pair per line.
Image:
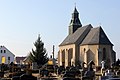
38,55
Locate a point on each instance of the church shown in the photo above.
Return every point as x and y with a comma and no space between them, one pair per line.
85,43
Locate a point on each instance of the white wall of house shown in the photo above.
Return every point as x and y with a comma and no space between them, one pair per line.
5,55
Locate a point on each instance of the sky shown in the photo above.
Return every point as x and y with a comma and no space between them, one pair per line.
21,21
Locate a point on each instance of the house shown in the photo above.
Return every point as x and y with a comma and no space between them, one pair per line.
19,60
6,56
85,43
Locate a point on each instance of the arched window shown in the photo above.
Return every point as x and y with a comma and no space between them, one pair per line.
63,57
84,49
104,54
70,53
70,56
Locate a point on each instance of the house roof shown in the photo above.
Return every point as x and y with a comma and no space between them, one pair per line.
18,59
96,36
78,35
3,47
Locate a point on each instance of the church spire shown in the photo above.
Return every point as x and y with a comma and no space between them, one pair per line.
75,22
75,10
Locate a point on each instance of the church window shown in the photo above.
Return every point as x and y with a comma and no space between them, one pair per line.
104,54
70,56
63,57
84,49
71,52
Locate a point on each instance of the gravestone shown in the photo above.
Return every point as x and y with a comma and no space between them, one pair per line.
1,74
102,67
83,65
2,67
109,74
34,65
44,73
103,64
16,78
83,69
104,78
2,70
89,74
118,63
60,70
28,76
118,73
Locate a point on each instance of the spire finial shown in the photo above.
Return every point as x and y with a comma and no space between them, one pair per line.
38,35
75,9
100,24
75,4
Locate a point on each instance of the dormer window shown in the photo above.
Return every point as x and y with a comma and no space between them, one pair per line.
4,51
1,51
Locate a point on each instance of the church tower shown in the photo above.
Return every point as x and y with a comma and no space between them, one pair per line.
75,22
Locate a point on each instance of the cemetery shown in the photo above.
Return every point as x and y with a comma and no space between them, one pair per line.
51,71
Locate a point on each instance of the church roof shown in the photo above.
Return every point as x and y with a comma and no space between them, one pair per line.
77,36
96,36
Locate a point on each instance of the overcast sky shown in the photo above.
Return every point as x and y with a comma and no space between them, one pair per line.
22,20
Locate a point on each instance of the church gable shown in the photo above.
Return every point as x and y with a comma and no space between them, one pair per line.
96,36
103,39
